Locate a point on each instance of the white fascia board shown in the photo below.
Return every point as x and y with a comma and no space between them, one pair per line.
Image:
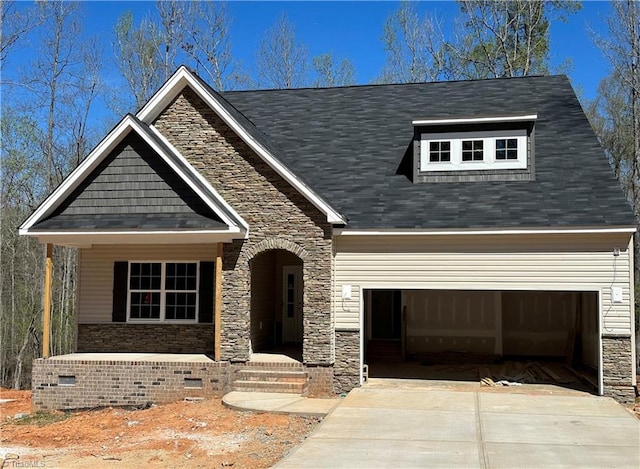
183,77
196,174
95,158
586,230
476,120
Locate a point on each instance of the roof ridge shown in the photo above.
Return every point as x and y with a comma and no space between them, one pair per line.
380,85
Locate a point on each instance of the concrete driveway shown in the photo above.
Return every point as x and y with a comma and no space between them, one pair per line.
397,427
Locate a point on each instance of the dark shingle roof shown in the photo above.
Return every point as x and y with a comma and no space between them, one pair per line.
348,143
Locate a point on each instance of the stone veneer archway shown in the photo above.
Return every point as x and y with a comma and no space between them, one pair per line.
318,339
276,325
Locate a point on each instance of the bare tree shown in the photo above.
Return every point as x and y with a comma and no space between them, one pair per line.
207,42
414,47
138,56
505,38
331,73
172,31
494,38
282,62
15,26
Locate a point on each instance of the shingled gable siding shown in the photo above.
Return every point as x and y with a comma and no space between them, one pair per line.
279,217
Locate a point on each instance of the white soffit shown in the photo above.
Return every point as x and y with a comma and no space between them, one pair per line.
183,77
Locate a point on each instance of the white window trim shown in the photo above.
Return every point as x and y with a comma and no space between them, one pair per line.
489,161
163,291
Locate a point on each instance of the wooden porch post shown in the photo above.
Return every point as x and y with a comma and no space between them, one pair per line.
217,303
46,326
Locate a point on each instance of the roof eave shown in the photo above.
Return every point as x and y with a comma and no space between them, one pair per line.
489,231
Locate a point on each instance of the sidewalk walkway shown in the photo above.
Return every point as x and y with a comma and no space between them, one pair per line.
280,403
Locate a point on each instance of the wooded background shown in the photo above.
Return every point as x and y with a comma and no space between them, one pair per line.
46,131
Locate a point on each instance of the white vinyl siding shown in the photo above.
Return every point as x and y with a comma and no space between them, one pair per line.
560,262
95,269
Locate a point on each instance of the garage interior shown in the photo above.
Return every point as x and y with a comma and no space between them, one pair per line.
538,337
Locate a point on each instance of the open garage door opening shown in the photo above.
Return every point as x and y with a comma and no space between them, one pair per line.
536,337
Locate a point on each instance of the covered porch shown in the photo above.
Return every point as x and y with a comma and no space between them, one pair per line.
150,232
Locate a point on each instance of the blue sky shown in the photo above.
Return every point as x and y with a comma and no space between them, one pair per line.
354,29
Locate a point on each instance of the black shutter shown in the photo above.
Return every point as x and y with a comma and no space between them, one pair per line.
205,292
120,279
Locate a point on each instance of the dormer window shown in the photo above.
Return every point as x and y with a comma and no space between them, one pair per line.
462,151
457,149
472,150
440,152
506,149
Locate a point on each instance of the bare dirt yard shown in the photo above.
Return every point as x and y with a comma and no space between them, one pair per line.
201,434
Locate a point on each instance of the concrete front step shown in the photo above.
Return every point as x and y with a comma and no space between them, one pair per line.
269,386
272,378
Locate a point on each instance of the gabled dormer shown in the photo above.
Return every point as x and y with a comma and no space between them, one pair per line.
485,148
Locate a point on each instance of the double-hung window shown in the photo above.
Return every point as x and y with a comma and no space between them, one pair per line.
163,291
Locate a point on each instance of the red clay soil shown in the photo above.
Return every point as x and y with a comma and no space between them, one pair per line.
185,434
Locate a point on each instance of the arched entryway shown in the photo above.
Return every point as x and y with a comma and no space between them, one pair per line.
277,291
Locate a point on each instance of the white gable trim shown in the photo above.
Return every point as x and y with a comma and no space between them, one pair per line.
126,125
183,77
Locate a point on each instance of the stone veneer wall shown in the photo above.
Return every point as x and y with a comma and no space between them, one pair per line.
617,368
346,372
122,383
145,338
279,217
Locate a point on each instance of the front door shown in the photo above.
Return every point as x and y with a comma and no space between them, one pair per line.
292,304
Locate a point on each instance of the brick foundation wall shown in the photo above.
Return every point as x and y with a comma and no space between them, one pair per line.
122,383
145,338
320,382
279,218
103,383
617,368
346,374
